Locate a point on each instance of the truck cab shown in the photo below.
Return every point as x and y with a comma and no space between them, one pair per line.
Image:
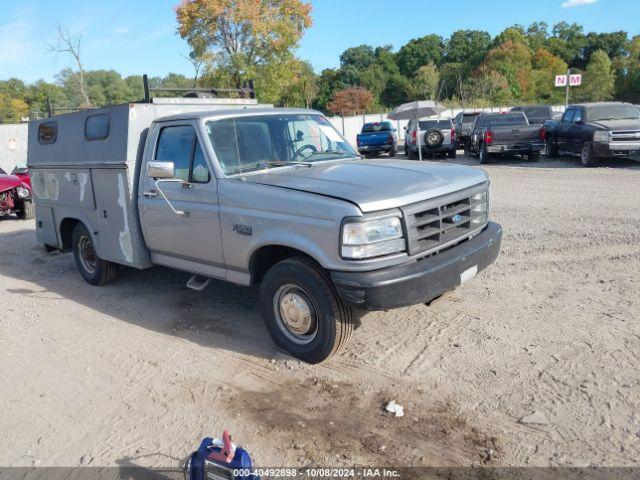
275,197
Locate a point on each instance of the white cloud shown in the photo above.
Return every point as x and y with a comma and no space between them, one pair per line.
122,30
577,3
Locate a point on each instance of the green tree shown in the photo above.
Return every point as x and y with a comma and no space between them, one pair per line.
512,60
361,57
419,52
467,47
537,35
514,34
244,34
545,67
396,91
424,85
568,42
598,83
328,83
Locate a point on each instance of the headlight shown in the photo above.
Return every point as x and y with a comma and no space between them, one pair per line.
479,208
600,136
23,193
372,238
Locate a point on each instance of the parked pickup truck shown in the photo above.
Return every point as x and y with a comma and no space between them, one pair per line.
255,195
503,134
376,138
596,131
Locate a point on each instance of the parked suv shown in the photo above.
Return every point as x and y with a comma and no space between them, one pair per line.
536,114
252,195
595,131
438,137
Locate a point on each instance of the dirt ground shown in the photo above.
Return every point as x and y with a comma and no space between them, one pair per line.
534,362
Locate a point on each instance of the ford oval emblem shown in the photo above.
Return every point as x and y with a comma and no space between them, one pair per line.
457,218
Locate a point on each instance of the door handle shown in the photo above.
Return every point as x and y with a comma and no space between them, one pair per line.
150,194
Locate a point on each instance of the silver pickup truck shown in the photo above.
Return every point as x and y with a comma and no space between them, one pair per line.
252,195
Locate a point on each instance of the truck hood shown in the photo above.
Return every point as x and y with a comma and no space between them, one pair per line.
8,182
374,184
622,124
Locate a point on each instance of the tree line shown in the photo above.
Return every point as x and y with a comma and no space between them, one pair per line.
234,41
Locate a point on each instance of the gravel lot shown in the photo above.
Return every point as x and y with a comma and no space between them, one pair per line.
534,362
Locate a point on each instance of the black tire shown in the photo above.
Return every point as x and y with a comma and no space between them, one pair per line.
392,152
28,210
587,157
452,154
484,154
411,154
552,148
333,321
433,138
92,268
534,157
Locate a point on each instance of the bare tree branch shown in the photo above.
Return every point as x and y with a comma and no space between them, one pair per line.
65,43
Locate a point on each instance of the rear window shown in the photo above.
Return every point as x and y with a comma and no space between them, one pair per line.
537,112
376,127
427,124
96,127
47,133
505,120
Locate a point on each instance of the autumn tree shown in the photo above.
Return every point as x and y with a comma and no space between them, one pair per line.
351,101
243,35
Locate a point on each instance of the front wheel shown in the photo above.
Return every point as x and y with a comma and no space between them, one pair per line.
552,149
92,268
392,152
302,311
534,157
587,157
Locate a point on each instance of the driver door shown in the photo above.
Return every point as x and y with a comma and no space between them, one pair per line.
191,241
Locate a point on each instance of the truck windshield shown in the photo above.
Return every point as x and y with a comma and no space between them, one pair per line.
612,112
539,113
505,120
245,144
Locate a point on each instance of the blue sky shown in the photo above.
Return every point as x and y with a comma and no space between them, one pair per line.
138,36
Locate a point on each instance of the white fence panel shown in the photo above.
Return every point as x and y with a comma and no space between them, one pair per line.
13,146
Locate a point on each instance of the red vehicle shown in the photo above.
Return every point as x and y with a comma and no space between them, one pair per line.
15,194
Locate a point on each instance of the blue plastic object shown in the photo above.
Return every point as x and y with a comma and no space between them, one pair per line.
201,466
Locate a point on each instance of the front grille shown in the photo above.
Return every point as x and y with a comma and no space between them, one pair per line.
439,222
625,136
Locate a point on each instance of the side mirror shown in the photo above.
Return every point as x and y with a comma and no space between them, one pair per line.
157,169
299,136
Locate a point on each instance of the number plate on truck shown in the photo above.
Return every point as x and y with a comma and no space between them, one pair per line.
468,274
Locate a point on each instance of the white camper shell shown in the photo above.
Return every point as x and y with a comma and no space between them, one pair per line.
83,167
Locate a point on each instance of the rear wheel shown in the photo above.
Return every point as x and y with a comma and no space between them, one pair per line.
534,157
392,152
484,154
28,210
587,157
453,154
302,311
92,268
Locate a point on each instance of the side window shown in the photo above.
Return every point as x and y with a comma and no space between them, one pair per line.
96,127
200,171
577,117
179,145
47,133
568,116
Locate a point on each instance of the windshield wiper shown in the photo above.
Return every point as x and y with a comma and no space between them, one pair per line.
341,153
282,164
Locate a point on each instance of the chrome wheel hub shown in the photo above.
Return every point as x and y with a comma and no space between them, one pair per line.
295,314
87,254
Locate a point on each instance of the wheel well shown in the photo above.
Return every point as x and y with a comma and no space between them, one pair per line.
266,257
66,232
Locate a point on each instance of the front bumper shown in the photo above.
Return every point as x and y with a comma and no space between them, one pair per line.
420,281
522,148
616,149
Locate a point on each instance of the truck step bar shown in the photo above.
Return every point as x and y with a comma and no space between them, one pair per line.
198,283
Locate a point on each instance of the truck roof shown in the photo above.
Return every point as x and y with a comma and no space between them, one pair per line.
235,112
598,104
